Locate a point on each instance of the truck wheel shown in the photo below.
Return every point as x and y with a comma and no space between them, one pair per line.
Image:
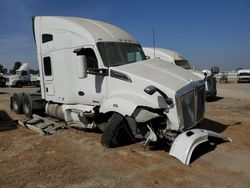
37,84
17,101
117,132
27,105
19,84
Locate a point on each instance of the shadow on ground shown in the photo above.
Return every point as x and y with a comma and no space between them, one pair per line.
205,148
214,99
211,125
6,123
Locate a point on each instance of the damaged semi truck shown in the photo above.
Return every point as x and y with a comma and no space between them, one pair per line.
94,75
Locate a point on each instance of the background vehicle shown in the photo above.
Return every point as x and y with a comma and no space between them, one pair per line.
243,75
95,76
23,78
179,60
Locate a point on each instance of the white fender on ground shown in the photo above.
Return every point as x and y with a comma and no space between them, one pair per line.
185,143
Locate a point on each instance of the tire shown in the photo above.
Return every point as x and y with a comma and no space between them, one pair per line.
17,101
27,105
37,83
19,84
117,132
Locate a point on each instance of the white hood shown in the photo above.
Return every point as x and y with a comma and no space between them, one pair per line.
159,72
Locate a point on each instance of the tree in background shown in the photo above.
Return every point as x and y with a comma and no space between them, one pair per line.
17,65
1,68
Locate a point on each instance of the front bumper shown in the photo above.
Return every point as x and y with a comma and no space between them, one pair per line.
243,80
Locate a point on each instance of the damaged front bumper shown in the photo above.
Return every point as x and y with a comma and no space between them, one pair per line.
185,143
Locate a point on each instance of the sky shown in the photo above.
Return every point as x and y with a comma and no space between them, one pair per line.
207,32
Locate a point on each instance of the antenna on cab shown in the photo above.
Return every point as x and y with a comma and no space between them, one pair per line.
154,41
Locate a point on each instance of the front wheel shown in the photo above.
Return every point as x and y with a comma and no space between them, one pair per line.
117,132
19,84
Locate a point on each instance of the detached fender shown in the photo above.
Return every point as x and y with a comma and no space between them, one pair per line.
185,143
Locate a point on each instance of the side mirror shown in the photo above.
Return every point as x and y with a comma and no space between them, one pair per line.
215,70
152,89
207,73
81,62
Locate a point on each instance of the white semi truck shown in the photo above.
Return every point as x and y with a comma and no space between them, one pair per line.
95,76
179,60
22,78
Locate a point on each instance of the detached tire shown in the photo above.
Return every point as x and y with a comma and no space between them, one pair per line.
117,132
17,101
27,105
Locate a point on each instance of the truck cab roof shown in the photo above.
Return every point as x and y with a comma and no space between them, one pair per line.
89,31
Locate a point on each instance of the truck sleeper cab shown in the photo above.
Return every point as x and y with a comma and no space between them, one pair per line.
92,72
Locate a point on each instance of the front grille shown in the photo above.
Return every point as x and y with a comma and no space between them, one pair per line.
191,107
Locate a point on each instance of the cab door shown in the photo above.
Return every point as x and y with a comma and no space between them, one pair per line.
90,90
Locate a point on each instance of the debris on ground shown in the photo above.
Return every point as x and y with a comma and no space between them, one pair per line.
42,125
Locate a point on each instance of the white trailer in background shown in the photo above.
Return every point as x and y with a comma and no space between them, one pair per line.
92,72
179,60
22,78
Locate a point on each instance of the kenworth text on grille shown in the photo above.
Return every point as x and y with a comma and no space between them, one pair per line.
94,75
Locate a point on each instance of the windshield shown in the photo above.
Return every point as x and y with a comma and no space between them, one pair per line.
244,74
183,63
118,53
18,73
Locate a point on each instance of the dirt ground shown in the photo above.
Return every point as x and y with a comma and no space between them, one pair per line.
76,158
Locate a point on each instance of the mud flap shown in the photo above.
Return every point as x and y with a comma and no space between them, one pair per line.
185,143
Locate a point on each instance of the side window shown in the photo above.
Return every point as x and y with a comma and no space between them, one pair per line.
24,73
47,38
47,66
91,58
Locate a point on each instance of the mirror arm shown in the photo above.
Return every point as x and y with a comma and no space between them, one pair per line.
96,71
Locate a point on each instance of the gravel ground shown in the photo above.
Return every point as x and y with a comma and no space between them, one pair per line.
75,158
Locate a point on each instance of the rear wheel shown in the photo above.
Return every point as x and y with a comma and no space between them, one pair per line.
27,105
37,83
17,101
19,84
117,132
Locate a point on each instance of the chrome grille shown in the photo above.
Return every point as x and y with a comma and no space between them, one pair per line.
191,107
